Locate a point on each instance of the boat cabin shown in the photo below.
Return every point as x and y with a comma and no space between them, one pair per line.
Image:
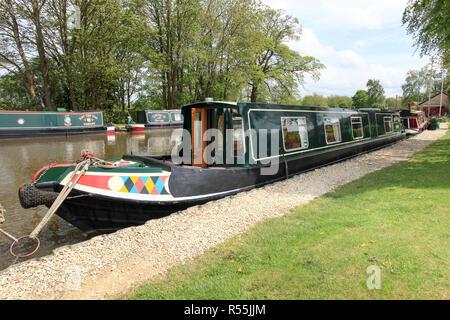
37,123
261,132
413,120
160,118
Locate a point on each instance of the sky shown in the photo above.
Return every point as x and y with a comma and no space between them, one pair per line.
357,40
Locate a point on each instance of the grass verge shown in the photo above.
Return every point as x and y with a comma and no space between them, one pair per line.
395,219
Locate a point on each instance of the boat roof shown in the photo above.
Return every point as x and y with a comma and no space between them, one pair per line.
165,110
244,106
224,104
50,112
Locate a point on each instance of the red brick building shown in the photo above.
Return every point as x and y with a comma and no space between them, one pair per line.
432,107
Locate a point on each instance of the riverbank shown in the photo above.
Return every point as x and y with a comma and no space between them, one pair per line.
110,265
396,219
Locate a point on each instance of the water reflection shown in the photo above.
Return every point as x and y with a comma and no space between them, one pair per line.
21,158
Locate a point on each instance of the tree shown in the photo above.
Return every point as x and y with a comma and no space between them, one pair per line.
361,99
274,63
148,53
315,100
13,47
33,9
339,101
12,92
392,102
415,86
375,92
427,21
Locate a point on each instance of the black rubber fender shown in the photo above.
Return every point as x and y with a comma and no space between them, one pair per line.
30,196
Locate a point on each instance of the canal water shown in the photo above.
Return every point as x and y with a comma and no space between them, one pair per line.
21,158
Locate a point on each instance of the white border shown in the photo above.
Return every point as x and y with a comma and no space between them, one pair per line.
325,130
362,127
307,136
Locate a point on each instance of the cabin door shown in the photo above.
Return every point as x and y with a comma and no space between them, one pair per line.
199,127
202,120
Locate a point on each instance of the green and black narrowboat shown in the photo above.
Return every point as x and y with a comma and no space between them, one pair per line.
140,188
153,119
14,124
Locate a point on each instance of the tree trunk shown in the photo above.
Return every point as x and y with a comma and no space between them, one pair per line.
29,81
36,15
254,94
169,58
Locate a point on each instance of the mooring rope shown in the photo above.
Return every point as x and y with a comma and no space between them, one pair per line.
87,160
2,214
62,196
2,219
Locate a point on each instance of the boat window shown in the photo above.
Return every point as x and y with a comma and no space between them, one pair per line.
332,130
405,122
176,116
388,127
397,124
157,117
198,130
357,128
295,133
221,128
238,134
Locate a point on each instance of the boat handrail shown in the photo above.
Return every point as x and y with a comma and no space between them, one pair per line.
149,160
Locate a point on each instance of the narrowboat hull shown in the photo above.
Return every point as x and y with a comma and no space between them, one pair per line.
31,133
142,128
135,128
89,211
414,122
16,124
163,126
110,130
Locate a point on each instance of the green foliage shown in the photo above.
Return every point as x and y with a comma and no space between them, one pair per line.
273,65
415,86
361,99
393,102
339,101
427,21
375,92
419,84
13,93
153,54
117,116
315,100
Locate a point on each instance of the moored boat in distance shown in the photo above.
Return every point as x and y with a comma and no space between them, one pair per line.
110,130
136,128
14,124
226,148
414,122
152,119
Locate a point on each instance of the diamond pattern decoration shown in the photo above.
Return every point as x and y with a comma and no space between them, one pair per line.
144,185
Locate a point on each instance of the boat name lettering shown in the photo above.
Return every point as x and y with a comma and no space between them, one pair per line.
88,119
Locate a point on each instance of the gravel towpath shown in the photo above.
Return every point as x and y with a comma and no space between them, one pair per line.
110,265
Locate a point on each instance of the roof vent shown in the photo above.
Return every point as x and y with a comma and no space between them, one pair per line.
208,100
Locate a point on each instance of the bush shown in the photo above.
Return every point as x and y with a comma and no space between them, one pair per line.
432,124
118,117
